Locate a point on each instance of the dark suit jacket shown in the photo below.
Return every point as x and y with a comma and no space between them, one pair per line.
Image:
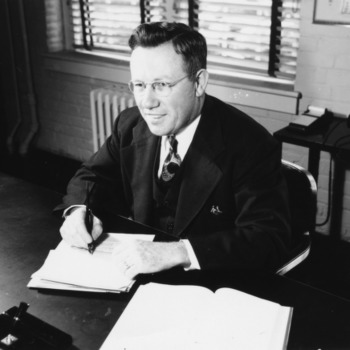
232,204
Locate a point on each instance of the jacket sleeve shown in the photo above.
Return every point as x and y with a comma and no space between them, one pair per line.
101,176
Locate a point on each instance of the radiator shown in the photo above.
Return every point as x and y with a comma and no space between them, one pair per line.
106,104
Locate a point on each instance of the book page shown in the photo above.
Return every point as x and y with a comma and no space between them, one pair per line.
78,268
159,317
243,321
190,317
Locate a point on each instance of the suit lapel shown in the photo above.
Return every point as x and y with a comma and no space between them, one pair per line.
139,160
201,173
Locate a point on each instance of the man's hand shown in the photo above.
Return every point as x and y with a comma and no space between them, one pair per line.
73,229
136,256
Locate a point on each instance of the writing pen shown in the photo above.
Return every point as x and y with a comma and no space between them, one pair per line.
89,223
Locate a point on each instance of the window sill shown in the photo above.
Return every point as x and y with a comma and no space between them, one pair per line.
232,90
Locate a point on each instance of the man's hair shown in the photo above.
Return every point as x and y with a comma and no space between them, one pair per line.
187,42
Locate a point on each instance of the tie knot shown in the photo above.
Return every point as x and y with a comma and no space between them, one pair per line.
172,161
173,142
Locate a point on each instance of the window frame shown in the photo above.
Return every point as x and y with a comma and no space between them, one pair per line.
220,72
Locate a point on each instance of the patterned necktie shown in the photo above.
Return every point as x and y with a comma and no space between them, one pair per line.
172,161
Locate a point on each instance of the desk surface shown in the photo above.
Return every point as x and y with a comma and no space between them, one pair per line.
28,230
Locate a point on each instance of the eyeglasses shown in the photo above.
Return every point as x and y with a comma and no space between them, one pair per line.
161,88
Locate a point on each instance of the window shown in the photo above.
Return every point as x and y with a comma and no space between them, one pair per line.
256,37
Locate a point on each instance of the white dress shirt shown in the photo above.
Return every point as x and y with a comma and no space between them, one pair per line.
184,139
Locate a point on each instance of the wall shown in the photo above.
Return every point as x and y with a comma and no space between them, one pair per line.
65,114
323,78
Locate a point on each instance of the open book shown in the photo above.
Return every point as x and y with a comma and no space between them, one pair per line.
170,317
71,268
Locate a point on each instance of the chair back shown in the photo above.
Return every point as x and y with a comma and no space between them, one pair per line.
302,190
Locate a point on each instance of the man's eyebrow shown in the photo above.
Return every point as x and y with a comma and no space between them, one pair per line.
154,80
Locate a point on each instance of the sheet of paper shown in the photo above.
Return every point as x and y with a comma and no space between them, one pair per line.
109,242
36,282
304,120
79,270
316,111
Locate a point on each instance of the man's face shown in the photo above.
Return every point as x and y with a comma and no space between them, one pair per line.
164,115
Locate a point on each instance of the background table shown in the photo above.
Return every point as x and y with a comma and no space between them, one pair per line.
334,139
28,230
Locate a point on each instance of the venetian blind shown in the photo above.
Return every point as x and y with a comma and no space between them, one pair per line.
260,36
54,26
254,36
103,24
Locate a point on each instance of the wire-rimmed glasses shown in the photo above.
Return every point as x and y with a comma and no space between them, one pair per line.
161,88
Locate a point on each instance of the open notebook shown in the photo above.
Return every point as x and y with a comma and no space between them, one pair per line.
70,268
161,316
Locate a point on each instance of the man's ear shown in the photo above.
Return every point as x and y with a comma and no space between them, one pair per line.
201,82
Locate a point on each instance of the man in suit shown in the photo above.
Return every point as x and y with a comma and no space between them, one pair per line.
221,191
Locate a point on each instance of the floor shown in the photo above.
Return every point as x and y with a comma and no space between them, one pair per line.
40,167
327,267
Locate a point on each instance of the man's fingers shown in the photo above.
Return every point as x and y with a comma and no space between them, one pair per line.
136,256
131,272
74,232
71,235
97,228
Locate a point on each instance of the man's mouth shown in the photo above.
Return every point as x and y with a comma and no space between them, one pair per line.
154,116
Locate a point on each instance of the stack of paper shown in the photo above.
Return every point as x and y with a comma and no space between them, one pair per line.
71,268
170,317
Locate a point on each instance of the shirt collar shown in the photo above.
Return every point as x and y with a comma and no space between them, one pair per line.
184,138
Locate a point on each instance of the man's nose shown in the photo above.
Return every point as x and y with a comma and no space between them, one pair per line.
149,98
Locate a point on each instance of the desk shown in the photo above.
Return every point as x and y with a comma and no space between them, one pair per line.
28,231
326,141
